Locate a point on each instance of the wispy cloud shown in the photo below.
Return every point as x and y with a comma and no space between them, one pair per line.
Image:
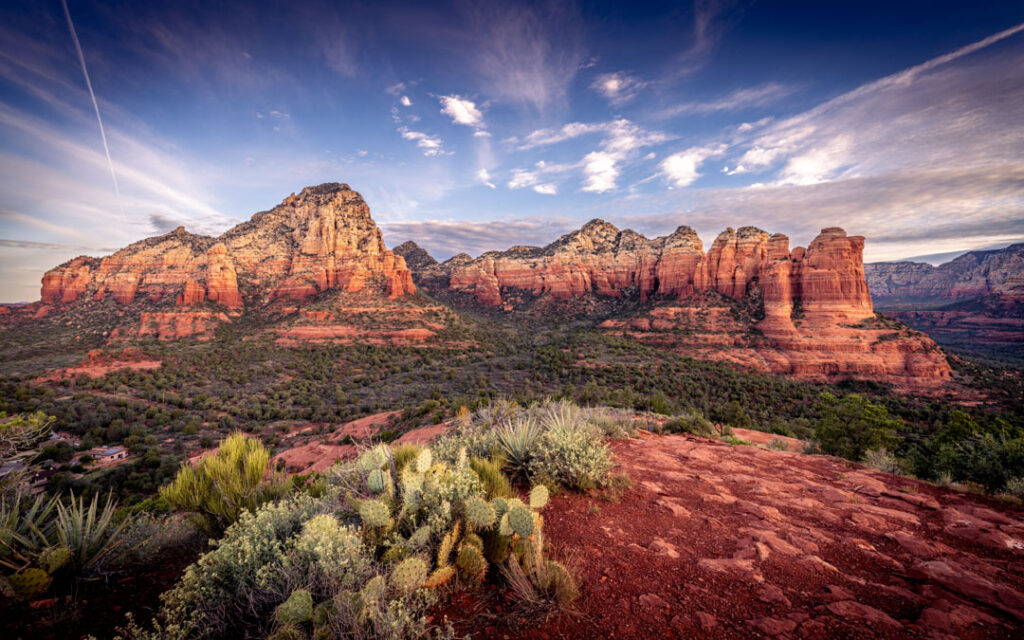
681,169
27,244
619,87
484,176
750,97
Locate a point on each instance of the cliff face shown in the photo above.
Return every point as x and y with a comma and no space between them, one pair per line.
971,275
321,239
749,299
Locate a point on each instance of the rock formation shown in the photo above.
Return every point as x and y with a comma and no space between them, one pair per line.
971,275
749,299
321,239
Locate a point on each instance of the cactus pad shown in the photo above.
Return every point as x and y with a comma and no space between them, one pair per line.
500,506
471,561
521,521
420,537
375,513
439,577
561,583
424,460
474,540
54,558
444,552
29,583
479,513
372,591
538,497
377,481
409,575
504,528
394,554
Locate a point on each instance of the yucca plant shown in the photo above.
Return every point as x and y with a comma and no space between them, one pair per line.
517,439
25,533
89,533
563,415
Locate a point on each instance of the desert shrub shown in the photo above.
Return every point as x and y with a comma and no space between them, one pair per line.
691,421
1015,488
575,456
988,459
883,460
777,444
90,534
225,484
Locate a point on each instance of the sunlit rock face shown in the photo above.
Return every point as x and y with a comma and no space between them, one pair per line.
810,316
320,239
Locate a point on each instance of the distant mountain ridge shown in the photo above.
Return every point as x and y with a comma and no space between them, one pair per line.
973,274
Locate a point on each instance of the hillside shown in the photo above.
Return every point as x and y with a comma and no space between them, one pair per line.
974,303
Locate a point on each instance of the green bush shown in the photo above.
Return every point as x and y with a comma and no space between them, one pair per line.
848,427
574,456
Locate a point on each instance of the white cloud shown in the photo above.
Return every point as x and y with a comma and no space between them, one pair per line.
544,137
430,145
600,170
681,169
817,164
484,177
396,89
546,189
406,102
462,111
541,173
619,87
481,134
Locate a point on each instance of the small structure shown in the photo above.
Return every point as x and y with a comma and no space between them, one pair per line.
108,454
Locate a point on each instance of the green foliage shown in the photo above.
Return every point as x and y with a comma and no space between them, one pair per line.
23,431
494,482
298,608
849,426
375,513
1015,488
225,484
690,421
377,481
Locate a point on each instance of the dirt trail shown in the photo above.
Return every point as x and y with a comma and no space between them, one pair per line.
727,542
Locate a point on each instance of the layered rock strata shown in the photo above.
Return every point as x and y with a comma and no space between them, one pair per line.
319,240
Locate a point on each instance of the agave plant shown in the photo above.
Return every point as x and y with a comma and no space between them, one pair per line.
89,533
518,439
25,533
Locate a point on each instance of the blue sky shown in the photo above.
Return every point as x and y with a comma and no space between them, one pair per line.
471,126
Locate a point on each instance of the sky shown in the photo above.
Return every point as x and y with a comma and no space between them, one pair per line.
473,126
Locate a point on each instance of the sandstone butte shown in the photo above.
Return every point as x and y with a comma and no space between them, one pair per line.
319,240
818,319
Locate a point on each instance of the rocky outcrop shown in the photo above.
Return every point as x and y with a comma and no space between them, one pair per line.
749,299
319,240
973,274
416,258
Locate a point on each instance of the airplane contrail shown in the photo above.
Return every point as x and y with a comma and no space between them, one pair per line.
95,105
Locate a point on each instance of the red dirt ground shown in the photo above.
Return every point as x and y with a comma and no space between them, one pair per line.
318,456
735,542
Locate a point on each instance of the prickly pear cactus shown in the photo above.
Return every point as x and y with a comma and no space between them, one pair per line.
479,513
420,537
521,521
504,527
375,513
373,591
375,458
298,608
538,497
471,561
474,540
54,558
500,506
394,554
424,461
377,481
561,583
439,577
409,575
29,583
444,552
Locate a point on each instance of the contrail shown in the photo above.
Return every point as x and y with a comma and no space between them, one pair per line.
95,105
